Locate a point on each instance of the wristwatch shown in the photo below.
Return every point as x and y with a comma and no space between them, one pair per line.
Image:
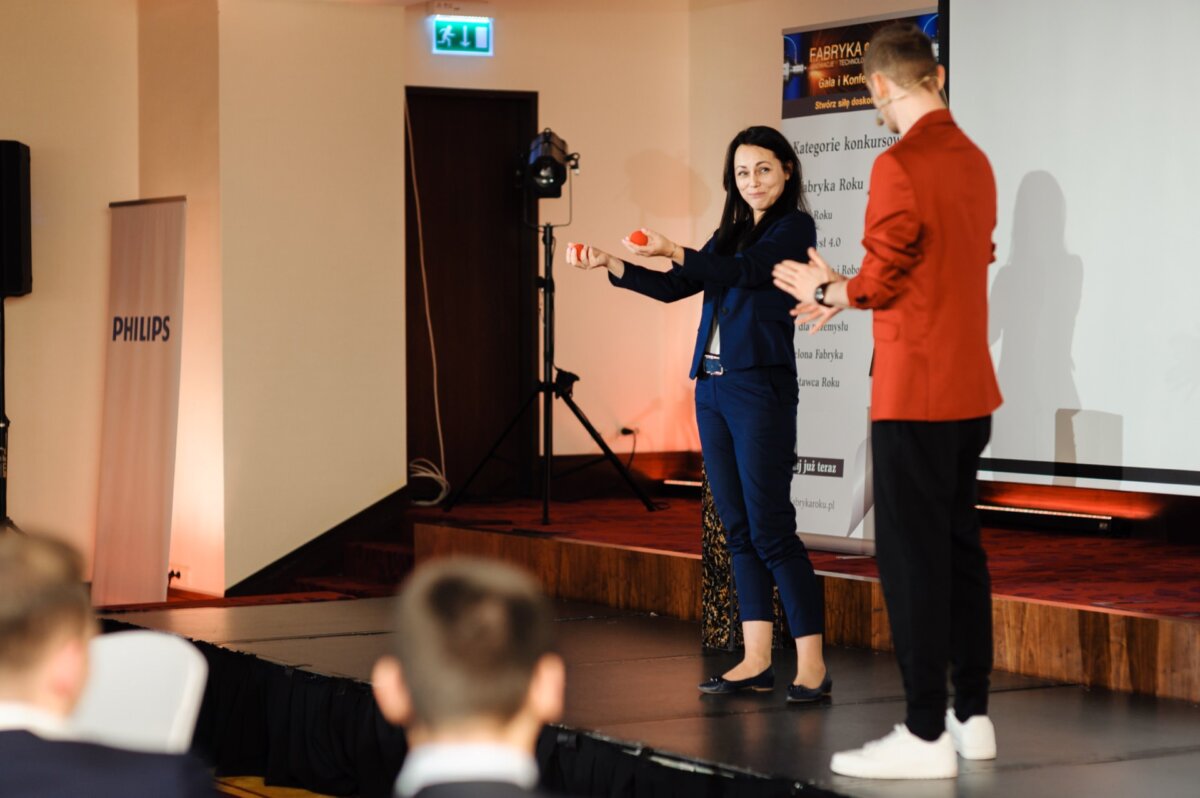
819,295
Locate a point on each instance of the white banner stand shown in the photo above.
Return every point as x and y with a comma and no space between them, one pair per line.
141,402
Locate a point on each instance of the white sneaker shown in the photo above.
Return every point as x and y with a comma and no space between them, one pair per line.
975,739
899,755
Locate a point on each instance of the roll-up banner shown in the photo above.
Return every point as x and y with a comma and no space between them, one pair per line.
830,120
141,402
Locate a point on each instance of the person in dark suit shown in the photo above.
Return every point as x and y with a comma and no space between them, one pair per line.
928,240
46,622
473,680
744,364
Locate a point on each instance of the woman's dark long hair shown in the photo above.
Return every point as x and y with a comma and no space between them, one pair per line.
738,230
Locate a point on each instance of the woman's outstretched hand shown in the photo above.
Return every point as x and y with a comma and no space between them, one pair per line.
581,256
657,245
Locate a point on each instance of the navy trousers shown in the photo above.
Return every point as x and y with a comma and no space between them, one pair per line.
747,422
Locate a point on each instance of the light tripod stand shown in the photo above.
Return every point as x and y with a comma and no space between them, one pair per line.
545,174
6,523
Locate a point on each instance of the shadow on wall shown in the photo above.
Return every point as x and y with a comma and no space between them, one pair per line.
1087,436
1184,376
1034,303
663,186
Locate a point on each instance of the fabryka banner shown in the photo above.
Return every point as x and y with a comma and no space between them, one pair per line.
830,120
141,402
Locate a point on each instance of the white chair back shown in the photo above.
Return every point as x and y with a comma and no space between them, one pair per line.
143,692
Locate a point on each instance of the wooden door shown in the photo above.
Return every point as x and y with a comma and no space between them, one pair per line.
481,268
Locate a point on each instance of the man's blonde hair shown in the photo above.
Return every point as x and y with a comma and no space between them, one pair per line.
42,596
902,53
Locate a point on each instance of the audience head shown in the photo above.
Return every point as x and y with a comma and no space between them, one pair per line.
473,656
46,621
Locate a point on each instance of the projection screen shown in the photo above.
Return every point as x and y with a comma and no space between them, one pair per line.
1087,111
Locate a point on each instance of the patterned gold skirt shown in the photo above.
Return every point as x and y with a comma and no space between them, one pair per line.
719,624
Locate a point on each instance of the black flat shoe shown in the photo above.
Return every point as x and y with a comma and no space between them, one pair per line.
719,685
799,694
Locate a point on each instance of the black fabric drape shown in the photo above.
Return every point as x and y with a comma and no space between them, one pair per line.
325,734
581,764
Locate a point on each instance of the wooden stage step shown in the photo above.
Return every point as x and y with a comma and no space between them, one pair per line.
383,562
348,585
255,787
1075,643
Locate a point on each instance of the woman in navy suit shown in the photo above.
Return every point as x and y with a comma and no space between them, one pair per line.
746,394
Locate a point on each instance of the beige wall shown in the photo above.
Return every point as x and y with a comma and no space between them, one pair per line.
178,155
68,89
736,59
611,76
282,122
312,263
650,94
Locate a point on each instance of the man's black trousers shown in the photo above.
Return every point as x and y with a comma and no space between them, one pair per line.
932,564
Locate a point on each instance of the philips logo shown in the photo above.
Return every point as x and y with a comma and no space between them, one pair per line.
141,328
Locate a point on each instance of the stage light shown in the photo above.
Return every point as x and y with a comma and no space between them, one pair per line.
1059,520
683,483
1050,513
548,163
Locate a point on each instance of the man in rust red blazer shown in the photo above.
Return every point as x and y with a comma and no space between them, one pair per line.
930,217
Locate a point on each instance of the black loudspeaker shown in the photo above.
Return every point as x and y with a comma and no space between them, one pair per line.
16,263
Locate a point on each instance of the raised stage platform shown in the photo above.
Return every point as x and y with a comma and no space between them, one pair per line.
288,699
1104,612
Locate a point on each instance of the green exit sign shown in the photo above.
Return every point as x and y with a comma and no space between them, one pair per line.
462,35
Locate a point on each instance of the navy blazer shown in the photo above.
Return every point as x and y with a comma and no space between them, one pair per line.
756,328
31,767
